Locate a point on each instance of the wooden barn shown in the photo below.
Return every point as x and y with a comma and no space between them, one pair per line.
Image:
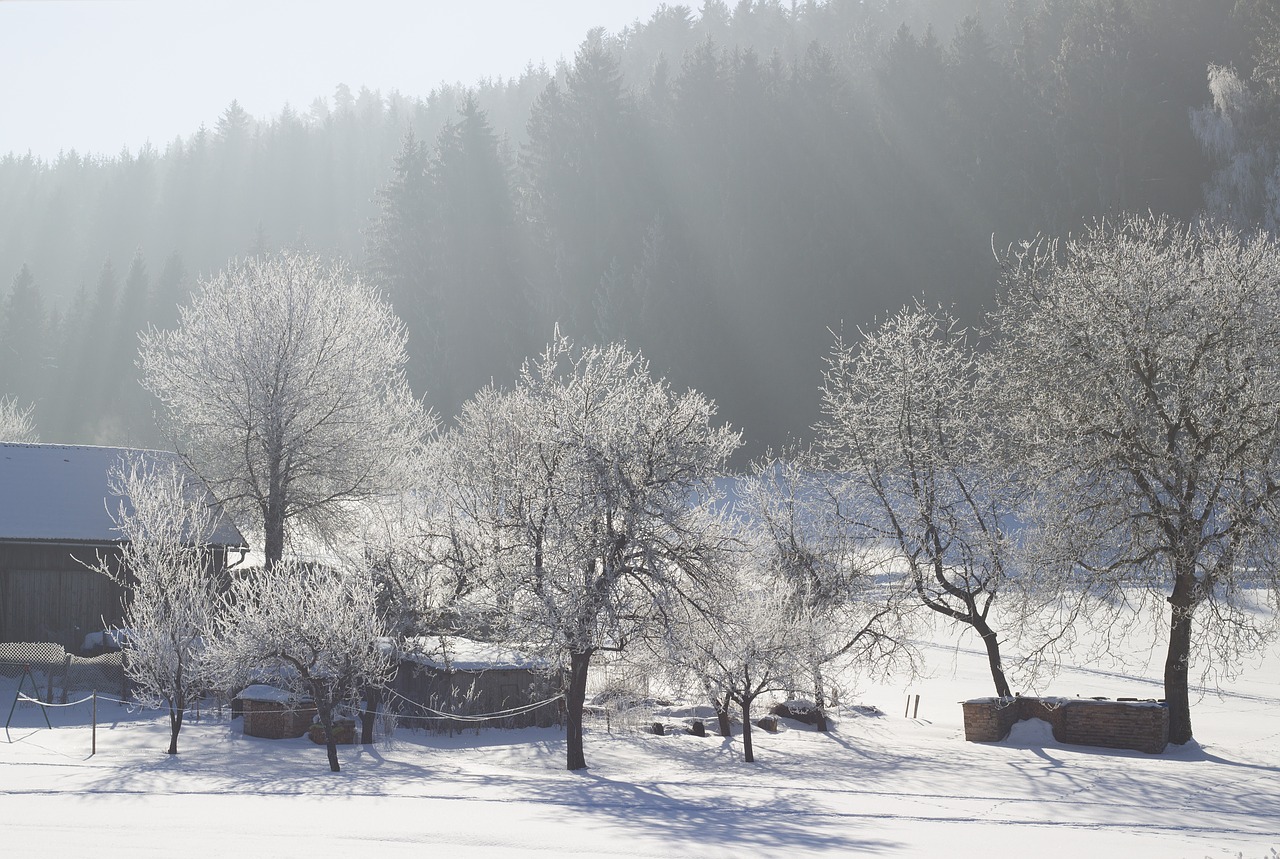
55,517
452,674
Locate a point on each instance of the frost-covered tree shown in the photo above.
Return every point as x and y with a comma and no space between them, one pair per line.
1237,132
16,423
172,575
315,629
413,565
283,385
574,498
1146,375
745,642
911,420
840,611
418,585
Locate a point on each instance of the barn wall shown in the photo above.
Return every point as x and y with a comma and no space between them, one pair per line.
46,594
471,693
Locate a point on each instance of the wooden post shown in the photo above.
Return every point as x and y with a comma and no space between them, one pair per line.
916,711
94,748
906,711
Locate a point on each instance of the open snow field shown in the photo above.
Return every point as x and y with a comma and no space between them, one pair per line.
878,785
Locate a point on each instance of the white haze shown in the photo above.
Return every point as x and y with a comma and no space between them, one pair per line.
99,76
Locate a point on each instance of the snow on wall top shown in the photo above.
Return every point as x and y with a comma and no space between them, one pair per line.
262,693
60,493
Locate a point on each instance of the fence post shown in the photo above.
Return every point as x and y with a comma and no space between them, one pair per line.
66,673
94,748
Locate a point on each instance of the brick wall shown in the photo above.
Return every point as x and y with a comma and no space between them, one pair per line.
988,720
1138,725
1141,726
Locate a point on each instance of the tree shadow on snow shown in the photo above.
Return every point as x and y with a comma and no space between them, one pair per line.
760,820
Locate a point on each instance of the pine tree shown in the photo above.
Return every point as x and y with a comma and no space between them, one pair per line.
585,172
234,125
24,357
397,253
171,290
69,391
88,376
128,400
474,258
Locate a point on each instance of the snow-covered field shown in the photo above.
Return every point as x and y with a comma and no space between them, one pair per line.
878,785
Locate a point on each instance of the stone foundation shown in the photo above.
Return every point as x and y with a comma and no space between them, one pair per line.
1138,725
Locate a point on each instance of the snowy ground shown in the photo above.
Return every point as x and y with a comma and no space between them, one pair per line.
879,785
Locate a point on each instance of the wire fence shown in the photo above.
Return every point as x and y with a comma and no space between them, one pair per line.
58,674
422,715
61,679
37,654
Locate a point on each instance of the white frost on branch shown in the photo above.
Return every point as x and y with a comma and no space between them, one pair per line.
571,504
1147,387
316,629
172,576
16,423
283,384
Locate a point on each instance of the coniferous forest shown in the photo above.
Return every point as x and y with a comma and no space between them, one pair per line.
720,187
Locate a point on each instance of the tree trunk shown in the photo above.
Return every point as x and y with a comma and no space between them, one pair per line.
326,720
721,706
274,508
748,754
177,708
819,699
1177,666
176,712
369,715
324,709
575,698
993,657
722,716
273,525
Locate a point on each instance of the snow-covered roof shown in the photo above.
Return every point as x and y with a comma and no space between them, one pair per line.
59,493
451,652
266,694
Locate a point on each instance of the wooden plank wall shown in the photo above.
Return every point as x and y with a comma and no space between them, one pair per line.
46,594
472,692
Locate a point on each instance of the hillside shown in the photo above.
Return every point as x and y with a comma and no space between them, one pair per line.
720,188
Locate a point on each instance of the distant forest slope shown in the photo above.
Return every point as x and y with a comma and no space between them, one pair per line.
718,188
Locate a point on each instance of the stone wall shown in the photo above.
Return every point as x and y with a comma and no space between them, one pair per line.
1138,725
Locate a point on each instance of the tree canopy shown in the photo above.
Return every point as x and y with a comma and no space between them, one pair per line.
283,385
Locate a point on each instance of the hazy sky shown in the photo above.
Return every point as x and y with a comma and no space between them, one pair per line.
99,75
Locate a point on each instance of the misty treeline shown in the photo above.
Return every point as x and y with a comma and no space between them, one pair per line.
717,186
